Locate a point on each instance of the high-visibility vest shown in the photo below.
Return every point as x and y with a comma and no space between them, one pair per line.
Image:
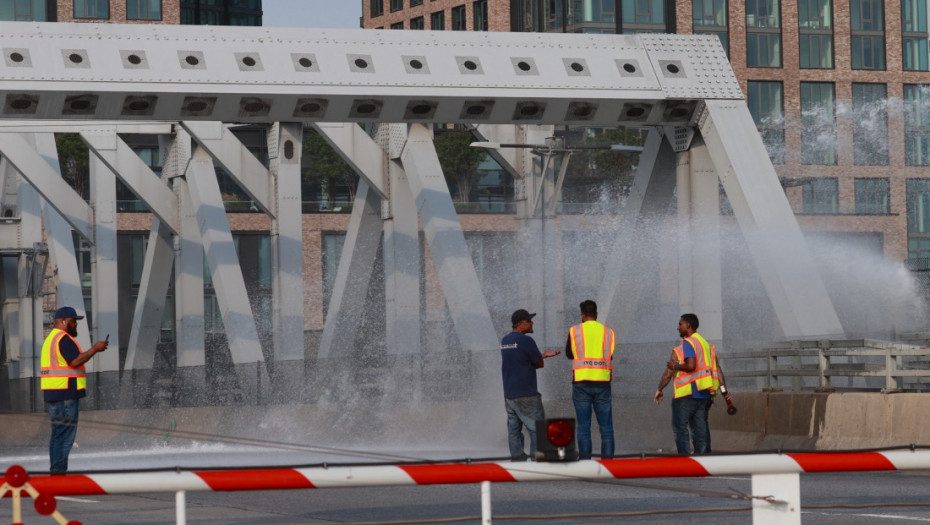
592,349
55,371
705,375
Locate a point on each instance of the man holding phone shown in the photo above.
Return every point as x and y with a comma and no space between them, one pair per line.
64,383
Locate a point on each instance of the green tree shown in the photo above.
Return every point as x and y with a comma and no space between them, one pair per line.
459,160
74,161
324,168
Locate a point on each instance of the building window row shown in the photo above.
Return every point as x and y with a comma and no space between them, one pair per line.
869,108
820,195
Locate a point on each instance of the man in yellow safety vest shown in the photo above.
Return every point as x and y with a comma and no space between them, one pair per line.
64,383
590,346
693,365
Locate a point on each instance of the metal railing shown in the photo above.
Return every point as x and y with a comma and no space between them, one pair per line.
865,364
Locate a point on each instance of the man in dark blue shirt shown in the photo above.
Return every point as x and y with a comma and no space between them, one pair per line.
520,357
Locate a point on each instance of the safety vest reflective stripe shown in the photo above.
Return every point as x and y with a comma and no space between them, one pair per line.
592,348
55,371
704,375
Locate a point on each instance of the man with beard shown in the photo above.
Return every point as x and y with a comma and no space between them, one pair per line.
64,383
694,368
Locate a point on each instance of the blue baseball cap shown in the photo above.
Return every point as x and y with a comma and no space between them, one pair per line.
66,312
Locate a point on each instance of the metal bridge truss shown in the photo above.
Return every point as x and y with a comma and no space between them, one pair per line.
182,83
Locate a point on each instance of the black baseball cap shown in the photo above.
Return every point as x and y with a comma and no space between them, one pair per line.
66,312
521,315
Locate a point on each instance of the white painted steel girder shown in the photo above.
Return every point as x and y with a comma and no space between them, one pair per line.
285,147
775,241
446,240
356,264
44,175
223,261
241,165
258,74
134,173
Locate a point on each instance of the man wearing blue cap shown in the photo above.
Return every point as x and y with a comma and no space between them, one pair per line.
64,382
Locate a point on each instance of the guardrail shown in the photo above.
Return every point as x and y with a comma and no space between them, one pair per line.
901,366
775,498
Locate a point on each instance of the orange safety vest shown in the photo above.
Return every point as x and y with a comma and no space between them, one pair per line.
55,371
592,350
704,375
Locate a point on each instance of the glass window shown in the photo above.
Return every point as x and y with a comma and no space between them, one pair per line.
914,35
820,195
763,33
766,102
917,124
377,8
644,16
870,134
480,15
414,3
437,21
763,14
763,49
92,9
872,196
417,23
143,9
458,18
815,34
710,17
818,123
24,11
398,25
397,5
918,223
867,25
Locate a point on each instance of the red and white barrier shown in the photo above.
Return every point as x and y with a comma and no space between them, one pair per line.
776,466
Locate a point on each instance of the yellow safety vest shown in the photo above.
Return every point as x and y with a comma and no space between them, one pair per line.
592,350
704,375
55,371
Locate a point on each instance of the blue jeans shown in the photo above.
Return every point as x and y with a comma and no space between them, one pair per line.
588,395
522,412
689,420
64,428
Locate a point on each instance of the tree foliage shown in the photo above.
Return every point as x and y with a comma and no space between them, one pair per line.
74,161
325,168
459,160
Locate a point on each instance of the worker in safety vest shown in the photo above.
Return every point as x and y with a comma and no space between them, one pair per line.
693,366
590,346
64,382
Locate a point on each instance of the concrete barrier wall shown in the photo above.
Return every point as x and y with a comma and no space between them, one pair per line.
765,421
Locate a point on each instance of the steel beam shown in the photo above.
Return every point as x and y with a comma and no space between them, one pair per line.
150,303
699,278
45,177
354,273
402,254
359,150
220,252
132,171
69,290
776,244
104,289
443,231
256,74
241,165
287,242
